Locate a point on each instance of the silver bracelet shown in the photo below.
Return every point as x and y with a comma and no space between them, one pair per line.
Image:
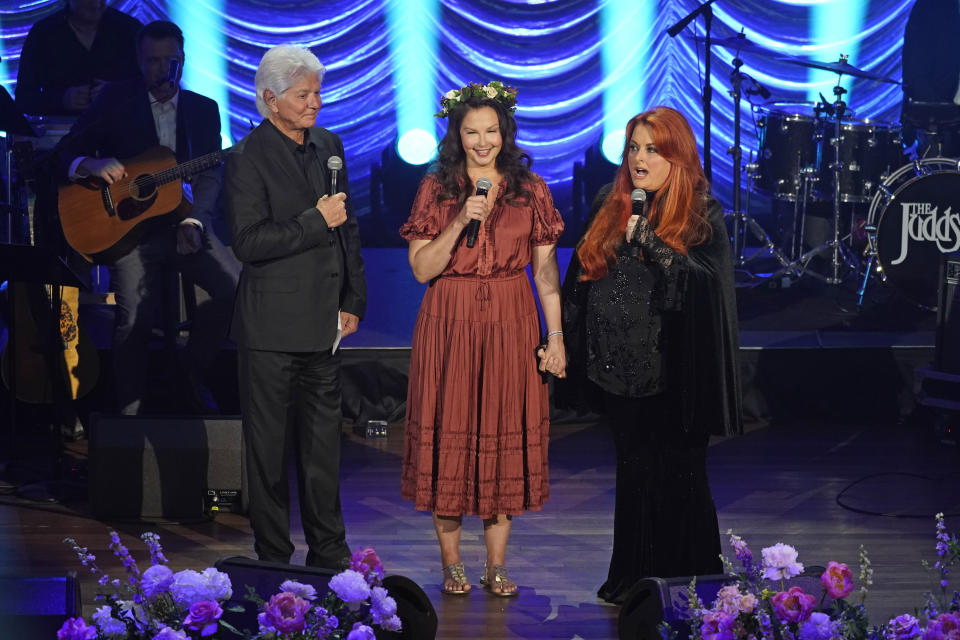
554,333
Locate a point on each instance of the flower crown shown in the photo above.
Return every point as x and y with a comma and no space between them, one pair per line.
496,90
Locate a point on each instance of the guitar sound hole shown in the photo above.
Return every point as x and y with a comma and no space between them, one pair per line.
142,187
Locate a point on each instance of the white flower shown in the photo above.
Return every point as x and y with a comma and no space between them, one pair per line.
449,95
780,562
491,92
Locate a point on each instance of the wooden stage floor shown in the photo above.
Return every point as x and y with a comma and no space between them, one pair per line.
777,483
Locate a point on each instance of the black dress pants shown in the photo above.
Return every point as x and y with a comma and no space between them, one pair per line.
291,402
665,523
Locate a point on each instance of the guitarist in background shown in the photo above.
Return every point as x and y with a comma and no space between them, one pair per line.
125,120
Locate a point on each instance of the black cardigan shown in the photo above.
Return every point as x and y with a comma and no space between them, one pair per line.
703,368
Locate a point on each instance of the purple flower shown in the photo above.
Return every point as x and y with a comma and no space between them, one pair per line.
76,629
382,606
360,631
944,627
793,605
351,587
203,617
367,563
903,628
305,591
156,551
717,625
108,625
283,614
780,562
818,626
391,624
171,634
744,555
156,579
837,580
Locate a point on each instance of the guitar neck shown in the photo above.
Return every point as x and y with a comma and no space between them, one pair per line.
189,167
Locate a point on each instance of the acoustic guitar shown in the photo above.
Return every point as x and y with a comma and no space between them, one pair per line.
104,221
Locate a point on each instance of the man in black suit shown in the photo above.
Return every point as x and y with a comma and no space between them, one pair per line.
302,284
126,120
69,56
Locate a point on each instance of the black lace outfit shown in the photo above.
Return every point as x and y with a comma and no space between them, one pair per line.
658,337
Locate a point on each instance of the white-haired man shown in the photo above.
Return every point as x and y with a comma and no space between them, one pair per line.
302,278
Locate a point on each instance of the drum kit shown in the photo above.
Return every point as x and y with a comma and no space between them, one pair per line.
890,216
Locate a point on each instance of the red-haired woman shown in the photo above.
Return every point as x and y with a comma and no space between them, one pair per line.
649,316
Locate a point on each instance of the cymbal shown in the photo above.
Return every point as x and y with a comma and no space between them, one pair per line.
841,66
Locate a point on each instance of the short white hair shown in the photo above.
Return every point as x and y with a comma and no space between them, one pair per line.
282,67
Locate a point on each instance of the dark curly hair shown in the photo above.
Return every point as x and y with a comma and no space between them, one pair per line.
451,164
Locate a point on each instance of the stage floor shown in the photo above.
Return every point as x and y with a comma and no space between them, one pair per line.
825,488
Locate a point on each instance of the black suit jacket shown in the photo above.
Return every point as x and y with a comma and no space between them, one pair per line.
53,60
297,273
119,124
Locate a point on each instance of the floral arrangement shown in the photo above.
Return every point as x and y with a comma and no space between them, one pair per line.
758,605
158,604
496,90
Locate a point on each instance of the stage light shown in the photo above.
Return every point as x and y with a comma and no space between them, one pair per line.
205,41
628,30
837,28
612,146
417,146
413,47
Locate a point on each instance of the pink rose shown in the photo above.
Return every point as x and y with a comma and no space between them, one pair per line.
837,580
946,626
203,617
793,605
717,625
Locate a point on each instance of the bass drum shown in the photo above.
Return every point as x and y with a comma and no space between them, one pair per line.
916,214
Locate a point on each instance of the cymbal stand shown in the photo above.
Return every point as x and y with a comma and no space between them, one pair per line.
741,219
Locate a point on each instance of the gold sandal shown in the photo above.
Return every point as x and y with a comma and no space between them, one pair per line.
500,581
455,573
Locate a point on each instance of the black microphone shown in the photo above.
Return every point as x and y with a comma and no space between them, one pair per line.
172,70
335,164
638,206
483,186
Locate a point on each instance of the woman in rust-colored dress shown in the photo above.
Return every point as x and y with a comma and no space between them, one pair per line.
478,414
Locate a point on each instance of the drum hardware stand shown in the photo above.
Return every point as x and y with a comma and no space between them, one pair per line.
742,221
838,252
672,31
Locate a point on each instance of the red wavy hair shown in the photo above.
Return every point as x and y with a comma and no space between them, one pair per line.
678,209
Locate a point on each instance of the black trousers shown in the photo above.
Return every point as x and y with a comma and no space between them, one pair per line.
291,403
665,523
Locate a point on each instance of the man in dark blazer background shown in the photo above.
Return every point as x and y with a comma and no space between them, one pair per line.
302,285
125,120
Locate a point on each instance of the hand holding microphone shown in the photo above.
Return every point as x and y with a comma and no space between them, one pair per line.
638,203
477,206
332,206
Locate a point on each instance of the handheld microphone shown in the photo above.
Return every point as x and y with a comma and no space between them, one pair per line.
483,187
638,208
335,165
173,69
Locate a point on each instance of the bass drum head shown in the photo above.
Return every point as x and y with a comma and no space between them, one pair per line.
916,226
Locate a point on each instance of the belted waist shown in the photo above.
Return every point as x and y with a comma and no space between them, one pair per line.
503,275
482,294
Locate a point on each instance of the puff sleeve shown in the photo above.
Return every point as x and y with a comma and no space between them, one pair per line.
547,222
424,222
